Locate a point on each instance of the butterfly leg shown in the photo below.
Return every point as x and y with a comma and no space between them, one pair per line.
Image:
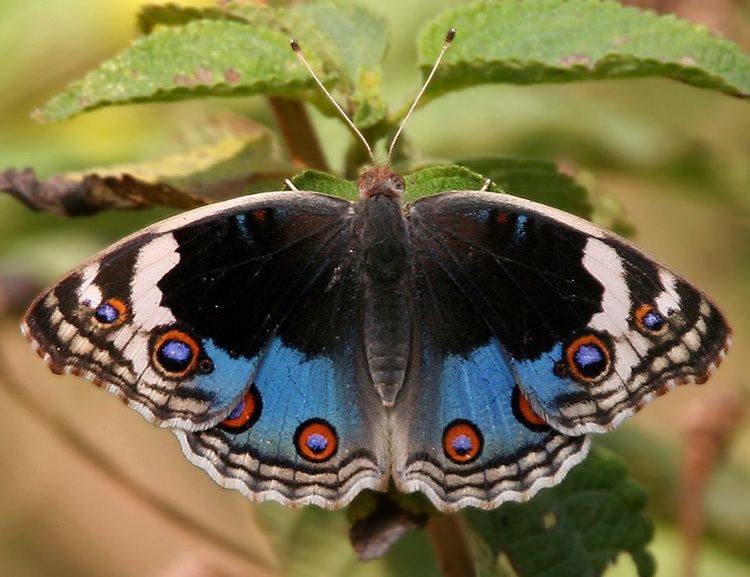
486,185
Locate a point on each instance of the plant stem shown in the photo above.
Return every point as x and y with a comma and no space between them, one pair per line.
298,133
451,546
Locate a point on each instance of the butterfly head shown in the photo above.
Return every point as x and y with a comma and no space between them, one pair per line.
381,180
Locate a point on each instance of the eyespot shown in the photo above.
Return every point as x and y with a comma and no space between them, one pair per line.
649,320
245,414
176,353
111,313
316,440
525,414
462,441
587,358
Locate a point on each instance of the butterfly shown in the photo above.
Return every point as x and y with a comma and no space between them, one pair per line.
305,348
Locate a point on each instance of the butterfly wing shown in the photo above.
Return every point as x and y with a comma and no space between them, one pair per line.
210,322
460,436
316,440
592,327
537,328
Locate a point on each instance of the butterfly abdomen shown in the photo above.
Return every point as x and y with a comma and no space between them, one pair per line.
387,324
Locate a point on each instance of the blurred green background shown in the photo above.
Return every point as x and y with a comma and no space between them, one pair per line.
677,159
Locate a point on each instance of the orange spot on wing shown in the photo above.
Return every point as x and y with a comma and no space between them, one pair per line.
177,335
250,410
462,429
641,313
307,431
524,407
573,347
122,312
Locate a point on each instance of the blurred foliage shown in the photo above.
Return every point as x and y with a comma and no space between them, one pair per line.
524,42
668,152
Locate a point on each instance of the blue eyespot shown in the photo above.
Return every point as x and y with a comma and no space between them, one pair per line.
317,443
237,411
176,353
588,355
462,441
242,225
107,314
110,312
461,444
587,358
316,440
245,413
647,317
653,320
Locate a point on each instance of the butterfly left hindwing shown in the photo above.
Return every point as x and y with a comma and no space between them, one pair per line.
208,322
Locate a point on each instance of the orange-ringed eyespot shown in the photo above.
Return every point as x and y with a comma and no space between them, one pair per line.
245,414
648,319
316,440
112,312
587,358
524,413
462,441
176,353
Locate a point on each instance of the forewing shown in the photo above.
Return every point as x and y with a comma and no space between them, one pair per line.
589,326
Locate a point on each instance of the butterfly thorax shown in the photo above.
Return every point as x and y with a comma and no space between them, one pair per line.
387,280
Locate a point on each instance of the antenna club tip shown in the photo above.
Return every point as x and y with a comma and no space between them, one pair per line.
450,35
295,45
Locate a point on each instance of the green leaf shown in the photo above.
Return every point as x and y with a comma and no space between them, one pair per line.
437,179
202,58
233,157
534,41
537,180
241,49
358,38
153,15
575,529
317,181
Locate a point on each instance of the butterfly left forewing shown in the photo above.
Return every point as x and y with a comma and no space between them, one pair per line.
175,318
592,328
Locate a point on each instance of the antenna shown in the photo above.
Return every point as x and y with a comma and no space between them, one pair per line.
448,39
298,51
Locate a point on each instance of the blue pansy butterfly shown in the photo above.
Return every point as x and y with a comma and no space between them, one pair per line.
305,348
